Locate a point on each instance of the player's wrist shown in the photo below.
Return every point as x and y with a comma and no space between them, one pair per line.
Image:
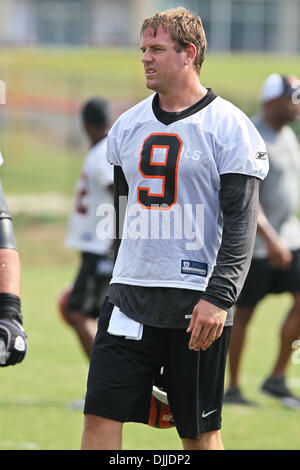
10,307
217,301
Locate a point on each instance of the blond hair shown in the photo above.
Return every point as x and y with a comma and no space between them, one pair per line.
184,28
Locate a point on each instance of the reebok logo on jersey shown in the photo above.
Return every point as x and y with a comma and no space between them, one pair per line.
261,156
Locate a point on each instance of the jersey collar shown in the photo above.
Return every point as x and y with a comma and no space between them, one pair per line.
167,117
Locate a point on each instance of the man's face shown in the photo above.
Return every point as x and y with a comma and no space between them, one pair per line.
286,110
163,65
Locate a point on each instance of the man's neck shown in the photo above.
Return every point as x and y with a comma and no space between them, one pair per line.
96,139
182,98
273,122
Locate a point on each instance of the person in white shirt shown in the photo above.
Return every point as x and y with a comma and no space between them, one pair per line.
191,162
80,304
275,266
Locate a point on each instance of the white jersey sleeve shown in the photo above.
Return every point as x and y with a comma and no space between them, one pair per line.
240,147
113,145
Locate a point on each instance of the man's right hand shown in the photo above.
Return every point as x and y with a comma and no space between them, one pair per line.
278,255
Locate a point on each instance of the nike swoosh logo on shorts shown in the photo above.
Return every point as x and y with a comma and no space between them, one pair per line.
204,415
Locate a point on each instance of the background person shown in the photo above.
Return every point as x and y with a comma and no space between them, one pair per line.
81,303
275,267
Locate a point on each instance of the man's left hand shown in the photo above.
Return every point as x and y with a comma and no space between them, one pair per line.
206,325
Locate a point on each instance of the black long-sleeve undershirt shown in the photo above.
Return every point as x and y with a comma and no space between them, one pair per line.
239,199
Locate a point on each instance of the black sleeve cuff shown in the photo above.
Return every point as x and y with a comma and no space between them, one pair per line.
217,302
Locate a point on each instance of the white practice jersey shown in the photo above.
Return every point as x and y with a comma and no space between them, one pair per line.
173,223
91,193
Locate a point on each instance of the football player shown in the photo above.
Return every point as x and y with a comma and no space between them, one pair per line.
13,339
189,158
80,303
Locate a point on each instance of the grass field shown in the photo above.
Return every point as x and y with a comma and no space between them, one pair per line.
35,395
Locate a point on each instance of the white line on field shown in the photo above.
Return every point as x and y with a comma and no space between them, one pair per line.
34,204
6,444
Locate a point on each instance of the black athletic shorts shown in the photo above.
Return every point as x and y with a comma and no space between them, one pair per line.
122,372
263,278
91,284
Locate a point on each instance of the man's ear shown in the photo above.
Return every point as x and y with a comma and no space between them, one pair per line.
191,53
